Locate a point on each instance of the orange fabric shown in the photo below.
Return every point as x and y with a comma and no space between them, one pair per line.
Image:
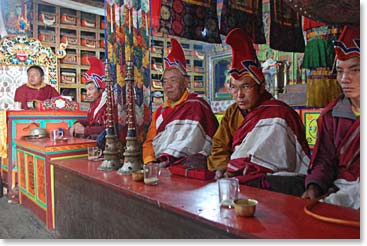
148,151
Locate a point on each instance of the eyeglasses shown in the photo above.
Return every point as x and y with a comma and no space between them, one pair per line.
172,81
242,88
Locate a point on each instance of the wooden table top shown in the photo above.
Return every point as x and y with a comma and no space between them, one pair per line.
47,114
46,145
278,216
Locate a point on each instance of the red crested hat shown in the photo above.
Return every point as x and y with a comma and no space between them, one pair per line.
176,58
96,72
244,59
348,44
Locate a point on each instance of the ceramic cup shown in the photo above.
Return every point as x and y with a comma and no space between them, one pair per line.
17,105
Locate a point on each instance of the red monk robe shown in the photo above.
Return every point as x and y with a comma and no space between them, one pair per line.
337,150
95,122
335,163
27,92
270,139
185,129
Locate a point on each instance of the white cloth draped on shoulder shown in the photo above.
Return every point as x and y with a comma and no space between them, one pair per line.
272,144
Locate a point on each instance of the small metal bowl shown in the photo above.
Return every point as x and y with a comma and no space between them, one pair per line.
62,139
138,175
245,207
38,132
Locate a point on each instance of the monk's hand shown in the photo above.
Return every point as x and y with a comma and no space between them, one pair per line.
219,174
76,129
79,129
72,129
313,191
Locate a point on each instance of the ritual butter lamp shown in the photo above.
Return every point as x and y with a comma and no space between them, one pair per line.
132,154
111,153
138,175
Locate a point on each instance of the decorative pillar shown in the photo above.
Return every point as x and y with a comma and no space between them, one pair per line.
111,153
132,154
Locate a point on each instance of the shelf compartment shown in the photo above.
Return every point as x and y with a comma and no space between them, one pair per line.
68,17
88,20
157,84
47,18
46,35
88,42
85,55
71,92
83,95
47,14
101,41
68,76
88,39
68,36
70,58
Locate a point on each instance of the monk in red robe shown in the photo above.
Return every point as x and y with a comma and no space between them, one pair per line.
335,163
34,90
260,140
96,94
185,124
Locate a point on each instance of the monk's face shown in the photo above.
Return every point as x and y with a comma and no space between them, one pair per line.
348,76
174,84
92,92
246,92
35,77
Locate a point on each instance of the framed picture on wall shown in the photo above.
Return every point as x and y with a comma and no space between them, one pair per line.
309,118
219,65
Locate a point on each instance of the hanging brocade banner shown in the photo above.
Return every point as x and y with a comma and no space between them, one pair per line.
191,19
17,16
128,30
244,14
285,28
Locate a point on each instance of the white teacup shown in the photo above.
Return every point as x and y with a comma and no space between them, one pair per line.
17,105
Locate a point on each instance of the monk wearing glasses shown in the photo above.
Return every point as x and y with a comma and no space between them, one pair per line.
260,140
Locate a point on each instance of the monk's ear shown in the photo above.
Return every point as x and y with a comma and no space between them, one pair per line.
230,81
187,81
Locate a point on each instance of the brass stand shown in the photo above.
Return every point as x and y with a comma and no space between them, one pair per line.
111,153
132,154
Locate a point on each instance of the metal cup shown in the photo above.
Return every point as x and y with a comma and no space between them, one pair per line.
56,134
